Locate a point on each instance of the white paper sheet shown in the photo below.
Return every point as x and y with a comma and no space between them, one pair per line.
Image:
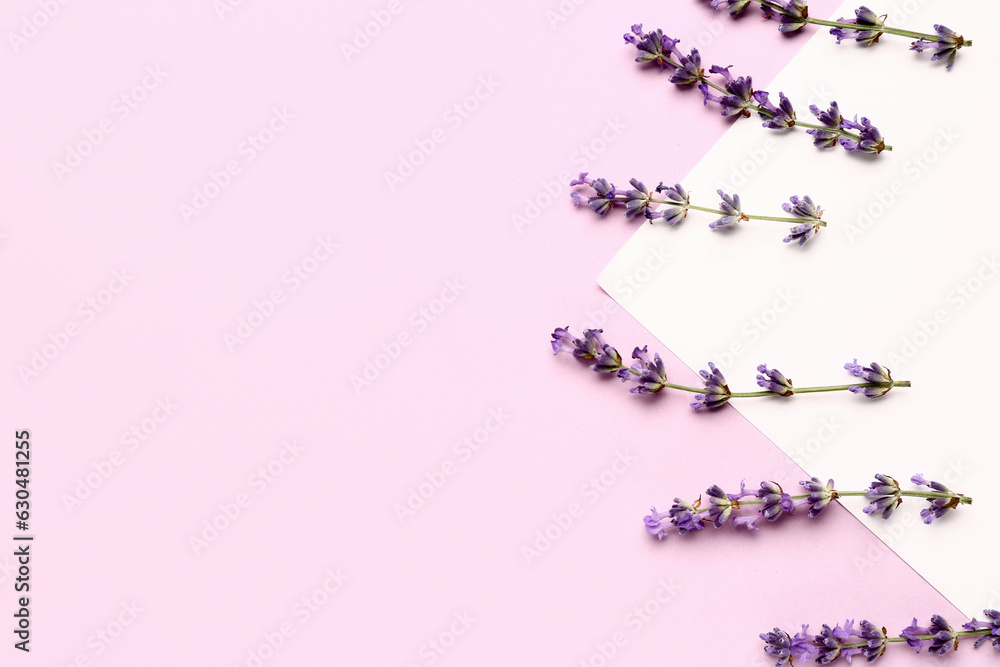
906,274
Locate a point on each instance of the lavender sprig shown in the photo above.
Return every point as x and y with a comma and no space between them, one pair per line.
771,502
865,28
650,375
738,97
871,641
675,203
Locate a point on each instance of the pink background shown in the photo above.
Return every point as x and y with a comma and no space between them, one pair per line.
444,240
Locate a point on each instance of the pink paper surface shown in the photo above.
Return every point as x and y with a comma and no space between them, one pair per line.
196,291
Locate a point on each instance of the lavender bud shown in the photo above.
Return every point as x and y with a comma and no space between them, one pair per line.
720,506
773,381
783,115
819,495
689,71
716,391
652,376
947,44
684,515
733,214
993,625
637,200
868,31
884,492
874,373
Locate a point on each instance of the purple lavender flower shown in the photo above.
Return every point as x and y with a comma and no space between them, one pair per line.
993,625
604,200
773,381
801,234
947,44
778,644
720,506
911,634
871,140
803,208
819,495
782,116
731,207
581,180
636,200
792,14
652,376
869,27
884,492
774,502
689,71
938,506
734,7
654,47
587,347
944,639
823,138
802,645
577,198
675,195
740,98
608,360
654,523
716,391
876,641
830,643
591,346
874,373
684,515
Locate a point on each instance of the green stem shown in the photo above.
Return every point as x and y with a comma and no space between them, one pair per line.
814,390
965,500
766,112
797,390
853,26
897,640
692,207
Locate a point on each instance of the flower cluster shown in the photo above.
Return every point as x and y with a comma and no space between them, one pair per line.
832,130
671,203
770,502
650,377
737,98
865,28
870,641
